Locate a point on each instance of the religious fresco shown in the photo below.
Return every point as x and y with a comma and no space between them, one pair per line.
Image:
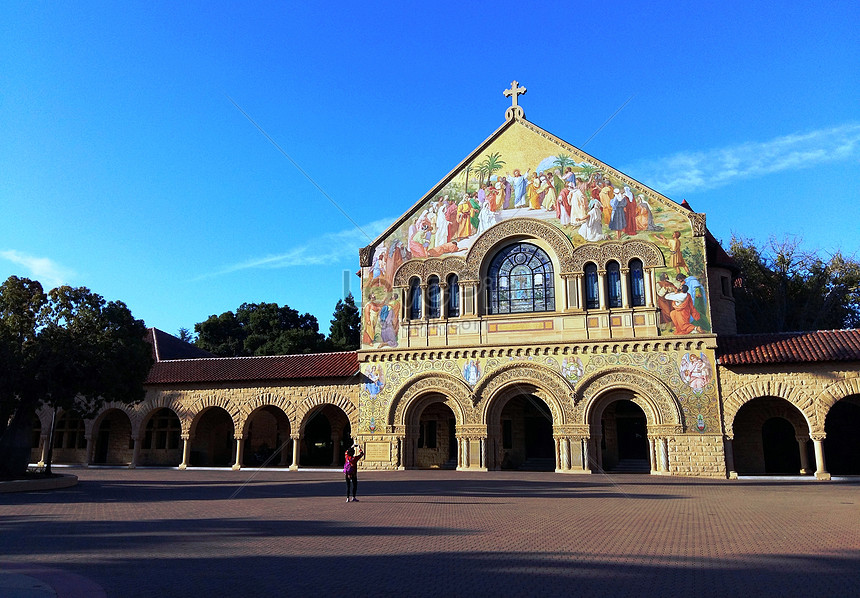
690,376
525,174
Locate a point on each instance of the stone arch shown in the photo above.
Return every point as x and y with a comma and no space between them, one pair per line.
92,424
319,400
423,268
203,404
770,388
513,230
172,401
265,400
620,251
457,392
834,393
528,378
659,403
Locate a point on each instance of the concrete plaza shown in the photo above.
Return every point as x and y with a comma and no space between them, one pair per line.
167,533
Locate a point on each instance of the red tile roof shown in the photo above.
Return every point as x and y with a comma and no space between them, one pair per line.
789,347
236,369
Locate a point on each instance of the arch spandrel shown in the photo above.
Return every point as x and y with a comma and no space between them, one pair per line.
621,251
525,378
834,393
92,424
262,401
203,404
766,388
424,268
517,229
457,392
318,400
650,393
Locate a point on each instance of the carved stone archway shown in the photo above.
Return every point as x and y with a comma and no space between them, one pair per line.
771,388
457,393
524,378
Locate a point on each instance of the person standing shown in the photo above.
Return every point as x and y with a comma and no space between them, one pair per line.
354,454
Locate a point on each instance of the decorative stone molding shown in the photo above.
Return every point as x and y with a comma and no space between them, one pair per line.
835,392
525,378
697,222
622,252
325,398
649,392
365,256
202,404
423,269
458,395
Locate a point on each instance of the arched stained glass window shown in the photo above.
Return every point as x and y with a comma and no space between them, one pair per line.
414,299
520,280
434,302
592,293
453,296
613,284
637,283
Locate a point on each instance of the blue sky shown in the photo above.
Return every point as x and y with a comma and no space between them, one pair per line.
126,167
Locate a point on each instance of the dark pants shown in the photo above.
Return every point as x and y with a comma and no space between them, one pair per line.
354,477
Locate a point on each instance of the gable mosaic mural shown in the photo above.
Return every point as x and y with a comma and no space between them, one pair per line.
525,172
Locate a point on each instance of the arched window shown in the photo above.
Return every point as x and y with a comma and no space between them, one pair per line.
592,293
453,308
414,300
637,283
520,280
434,299
613,284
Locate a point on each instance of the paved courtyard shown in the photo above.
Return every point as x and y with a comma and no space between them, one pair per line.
150,532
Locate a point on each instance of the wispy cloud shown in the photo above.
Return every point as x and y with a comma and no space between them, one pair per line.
45,270
325,249
696,171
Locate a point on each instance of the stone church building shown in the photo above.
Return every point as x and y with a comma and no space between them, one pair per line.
537,309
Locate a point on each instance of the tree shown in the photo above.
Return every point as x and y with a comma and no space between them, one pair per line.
260,329
783,288
345,331
563,161
68,349
184,334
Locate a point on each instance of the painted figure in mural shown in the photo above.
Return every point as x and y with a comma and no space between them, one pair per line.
451,217
568,176
683,311
630,227
379,314
441,236
486,217
476,209
472,371
519,182
606,193
644,215
664,288
396,256
562,204
618,220
464,218
591,228
375,381
696,371
548,192
578,202
533,193
697,293
676,258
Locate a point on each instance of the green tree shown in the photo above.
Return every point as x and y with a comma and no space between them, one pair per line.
184,334
69,349
563,161
345,331
784,288
260,329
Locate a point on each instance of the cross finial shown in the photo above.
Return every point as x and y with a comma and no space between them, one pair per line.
515,110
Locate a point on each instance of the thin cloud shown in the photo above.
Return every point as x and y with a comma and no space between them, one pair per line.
696,171
321,251
43,269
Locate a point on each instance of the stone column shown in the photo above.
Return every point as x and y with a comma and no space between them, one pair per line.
601,288
577,280
804,459
625,292
664,455
649,287
820,466
45,440
399,453
443,299
88,459
186,451
135,454
424,303
295,464
728,447
335,448
565,454
483,462
652,456
240,451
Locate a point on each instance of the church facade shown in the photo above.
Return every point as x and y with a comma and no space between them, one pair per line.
535,310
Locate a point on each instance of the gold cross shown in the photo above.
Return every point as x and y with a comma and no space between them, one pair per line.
514,91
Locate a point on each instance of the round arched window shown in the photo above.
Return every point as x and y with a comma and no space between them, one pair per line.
520,280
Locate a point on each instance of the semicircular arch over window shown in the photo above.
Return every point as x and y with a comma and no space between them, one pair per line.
520,280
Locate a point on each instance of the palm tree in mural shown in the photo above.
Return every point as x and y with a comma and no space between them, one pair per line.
466,181
563,161
483,170
490,165
588,170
